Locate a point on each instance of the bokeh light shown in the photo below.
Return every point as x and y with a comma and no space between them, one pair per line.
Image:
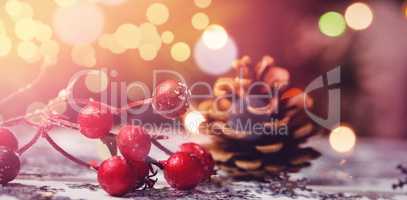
96,81
108,41
150,35
158,13
359,16
180,51
43,32
65,3
5,45
128,36
35,107
193,120
26,29
342,139
28,51
18,10
215,37
84,55
332,24
111,2
49,50
57,107
81,23
148,52
200,21
202,3
215,61
167,37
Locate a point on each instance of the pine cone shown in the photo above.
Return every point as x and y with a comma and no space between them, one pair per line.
252,137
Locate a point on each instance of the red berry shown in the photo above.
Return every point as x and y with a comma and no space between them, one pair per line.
8,139
134,142
183,171
171,99
204,156
116,176
141,168
9,165
95,120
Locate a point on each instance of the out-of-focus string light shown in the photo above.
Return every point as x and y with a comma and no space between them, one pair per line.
29,51
148,52
215,37
33,108
81,23
108,41
150,35
84,55
57,107
167,37
128,36
332,24
110,2
200,21
158,13
215,61
342,139
359,16
180,51
26,29
65,3
202,3
18,10
193,120
5,45
96,81
49,50
43,32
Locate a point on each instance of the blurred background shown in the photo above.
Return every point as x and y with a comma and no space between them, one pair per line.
200,39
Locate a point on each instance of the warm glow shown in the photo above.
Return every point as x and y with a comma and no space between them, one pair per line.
215,61
97,81
5,45
28,51
84,55
215,37
158,13
111,2
200,21
202,3
332,24
148,52
128,36
43,32
26,29
167,37
18,10
193,120
342,139
150,35
180,51
66,3
49,50
359,16
78,24
109,42
57,107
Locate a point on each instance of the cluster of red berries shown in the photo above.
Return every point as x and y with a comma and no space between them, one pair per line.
134,168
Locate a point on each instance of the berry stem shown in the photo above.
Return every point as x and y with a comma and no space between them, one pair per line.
154,162
25,88
66,154
31,142
161,147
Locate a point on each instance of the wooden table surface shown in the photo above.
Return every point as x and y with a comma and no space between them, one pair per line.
366,173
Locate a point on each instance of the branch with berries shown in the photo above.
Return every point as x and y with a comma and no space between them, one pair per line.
134,169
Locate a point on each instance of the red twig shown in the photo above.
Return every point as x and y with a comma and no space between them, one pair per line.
161,147
31,142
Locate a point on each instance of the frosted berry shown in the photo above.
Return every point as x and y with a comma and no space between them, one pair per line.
95,120
204,156
8,139
134,142
171,99
9,165
116,176
183,171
